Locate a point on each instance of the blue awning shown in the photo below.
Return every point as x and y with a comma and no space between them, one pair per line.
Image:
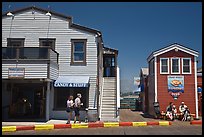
72,81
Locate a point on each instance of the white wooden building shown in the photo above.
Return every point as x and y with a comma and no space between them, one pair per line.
46,58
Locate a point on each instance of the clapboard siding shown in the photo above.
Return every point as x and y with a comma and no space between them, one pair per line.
34,26
54,71
31,70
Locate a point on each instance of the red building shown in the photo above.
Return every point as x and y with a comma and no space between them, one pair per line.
199,76
172,78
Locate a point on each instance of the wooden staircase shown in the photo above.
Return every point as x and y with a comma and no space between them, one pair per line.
109,100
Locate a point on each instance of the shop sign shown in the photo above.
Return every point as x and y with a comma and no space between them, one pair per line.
16,72
71,85
175,86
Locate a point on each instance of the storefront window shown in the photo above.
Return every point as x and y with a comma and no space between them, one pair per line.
61,95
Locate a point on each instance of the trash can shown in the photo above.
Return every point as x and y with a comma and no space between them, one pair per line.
157,109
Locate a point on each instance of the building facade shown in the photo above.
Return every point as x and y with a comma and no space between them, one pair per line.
173,78
144,72
200,85
46,58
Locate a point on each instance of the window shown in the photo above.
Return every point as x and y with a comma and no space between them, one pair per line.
186,65
164,66
13,45
61,95
47,42
175,65
15,42
78,55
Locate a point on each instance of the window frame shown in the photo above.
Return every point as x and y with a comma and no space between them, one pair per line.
13,40
178,65
83,63
189,66
161,66
41,40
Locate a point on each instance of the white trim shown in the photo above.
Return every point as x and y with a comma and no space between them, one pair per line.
178,65
176,47
196,92
161,66
189,66
101,97
171,47
155,75
118,93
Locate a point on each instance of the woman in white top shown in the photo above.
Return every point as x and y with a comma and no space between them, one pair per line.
70,108
77,106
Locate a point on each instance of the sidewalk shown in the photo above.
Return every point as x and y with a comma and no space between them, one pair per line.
127,118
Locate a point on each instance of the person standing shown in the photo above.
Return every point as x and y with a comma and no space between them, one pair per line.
70,107
77,106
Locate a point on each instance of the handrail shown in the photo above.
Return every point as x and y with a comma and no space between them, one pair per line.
101,98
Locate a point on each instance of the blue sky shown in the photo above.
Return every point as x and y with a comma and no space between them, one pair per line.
134,28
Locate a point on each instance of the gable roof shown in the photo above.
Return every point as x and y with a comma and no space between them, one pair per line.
68,18
173,47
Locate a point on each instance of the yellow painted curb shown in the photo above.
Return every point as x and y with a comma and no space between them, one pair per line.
8,128
79,125
42,127
139,123
111,124
164,123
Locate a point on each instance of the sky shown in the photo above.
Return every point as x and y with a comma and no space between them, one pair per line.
135,29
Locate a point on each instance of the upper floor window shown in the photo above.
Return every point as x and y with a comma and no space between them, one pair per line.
13,46
164,65
47,42
15,42
186,65
175,65
78,55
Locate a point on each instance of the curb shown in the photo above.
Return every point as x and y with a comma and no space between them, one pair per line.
83,125
196,122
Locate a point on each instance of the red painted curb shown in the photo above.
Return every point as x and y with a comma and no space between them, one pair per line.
62,126
25,128
97,124
93,125
197,122
153,123
125,124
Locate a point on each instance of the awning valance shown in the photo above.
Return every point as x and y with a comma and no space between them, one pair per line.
72,81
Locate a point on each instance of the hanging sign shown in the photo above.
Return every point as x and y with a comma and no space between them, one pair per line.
16,72
175,86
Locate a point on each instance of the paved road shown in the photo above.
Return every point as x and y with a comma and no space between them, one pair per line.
177,128
146,130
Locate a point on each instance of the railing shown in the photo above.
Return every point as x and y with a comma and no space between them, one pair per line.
27,53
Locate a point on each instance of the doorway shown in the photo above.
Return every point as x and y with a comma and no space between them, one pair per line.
28,101
109,66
